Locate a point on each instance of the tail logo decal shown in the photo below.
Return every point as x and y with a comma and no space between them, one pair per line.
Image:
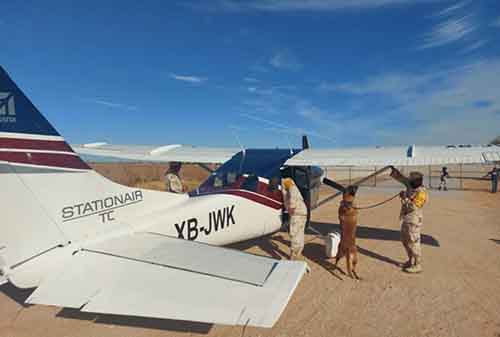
7,108
102,207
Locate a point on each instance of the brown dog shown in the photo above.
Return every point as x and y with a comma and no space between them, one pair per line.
348,217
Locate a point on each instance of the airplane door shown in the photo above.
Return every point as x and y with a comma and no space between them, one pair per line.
301,177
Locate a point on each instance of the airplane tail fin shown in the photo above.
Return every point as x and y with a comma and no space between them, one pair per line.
49,195
26,138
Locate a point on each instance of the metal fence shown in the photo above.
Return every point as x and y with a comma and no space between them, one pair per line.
462,176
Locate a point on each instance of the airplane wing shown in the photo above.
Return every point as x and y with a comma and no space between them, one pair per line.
166,153
397,156
151,275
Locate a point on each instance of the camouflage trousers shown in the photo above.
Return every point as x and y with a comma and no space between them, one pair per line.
297,228
410,237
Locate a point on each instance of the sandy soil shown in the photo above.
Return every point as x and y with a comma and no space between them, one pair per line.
458,294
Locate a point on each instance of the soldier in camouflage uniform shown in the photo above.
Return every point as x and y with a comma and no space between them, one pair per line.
172,181
297,211
411,215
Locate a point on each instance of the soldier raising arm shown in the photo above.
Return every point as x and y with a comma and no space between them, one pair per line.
413,200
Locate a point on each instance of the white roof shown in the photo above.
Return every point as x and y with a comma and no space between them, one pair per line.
396,156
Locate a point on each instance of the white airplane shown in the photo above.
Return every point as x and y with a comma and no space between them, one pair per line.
85,242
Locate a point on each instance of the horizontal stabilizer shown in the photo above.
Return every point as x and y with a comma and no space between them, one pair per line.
199,257
172,279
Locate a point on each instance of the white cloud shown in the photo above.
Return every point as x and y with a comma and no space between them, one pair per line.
110,104
189,79
285,129
251,80
453,8
449,31
455,106
259,68
299,5
474,46
284,59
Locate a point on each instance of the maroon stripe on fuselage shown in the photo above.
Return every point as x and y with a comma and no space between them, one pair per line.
45,159
255,197
34,144
248,195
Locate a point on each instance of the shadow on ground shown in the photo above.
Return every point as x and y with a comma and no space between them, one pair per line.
267,244
373,233
21,295
17,295
495,241
314,248
137,322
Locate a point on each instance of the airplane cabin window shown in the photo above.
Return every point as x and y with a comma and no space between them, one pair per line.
231,178
218,182
250,183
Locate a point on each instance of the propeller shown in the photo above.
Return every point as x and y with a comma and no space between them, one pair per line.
305,143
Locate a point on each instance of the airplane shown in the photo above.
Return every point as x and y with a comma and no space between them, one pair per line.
88,243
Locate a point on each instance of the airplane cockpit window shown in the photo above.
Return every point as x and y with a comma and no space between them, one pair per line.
218,182
274,184
251,183
300,178
230,179
245,168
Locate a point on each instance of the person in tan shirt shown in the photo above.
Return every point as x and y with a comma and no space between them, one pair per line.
297,211
173,182
413,200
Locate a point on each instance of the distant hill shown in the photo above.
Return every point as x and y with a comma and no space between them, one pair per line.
496,141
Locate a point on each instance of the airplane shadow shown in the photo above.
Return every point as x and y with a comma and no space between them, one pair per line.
315,251
137,322
266,243
21,295
17,295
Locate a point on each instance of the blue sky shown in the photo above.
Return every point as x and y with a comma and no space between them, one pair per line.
347,73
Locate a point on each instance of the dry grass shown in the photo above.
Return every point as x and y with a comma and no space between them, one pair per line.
149,176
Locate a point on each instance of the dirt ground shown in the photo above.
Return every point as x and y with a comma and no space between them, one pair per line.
458,294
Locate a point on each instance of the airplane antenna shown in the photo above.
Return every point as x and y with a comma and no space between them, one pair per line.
237,139
289,144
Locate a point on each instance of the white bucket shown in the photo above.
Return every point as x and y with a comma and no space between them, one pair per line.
332,241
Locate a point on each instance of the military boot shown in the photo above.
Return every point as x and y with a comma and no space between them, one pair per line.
415,269
407,264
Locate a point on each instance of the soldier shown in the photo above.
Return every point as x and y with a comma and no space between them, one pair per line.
412,202
172,181
444,178
297,211
494,179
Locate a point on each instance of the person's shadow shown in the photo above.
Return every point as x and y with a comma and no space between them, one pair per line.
374,233
366,232
314,249
267,244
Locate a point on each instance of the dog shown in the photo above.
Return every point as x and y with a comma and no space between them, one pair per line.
348,217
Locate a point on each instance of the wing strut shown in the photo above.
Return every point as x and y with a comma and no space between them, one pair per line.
341,188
